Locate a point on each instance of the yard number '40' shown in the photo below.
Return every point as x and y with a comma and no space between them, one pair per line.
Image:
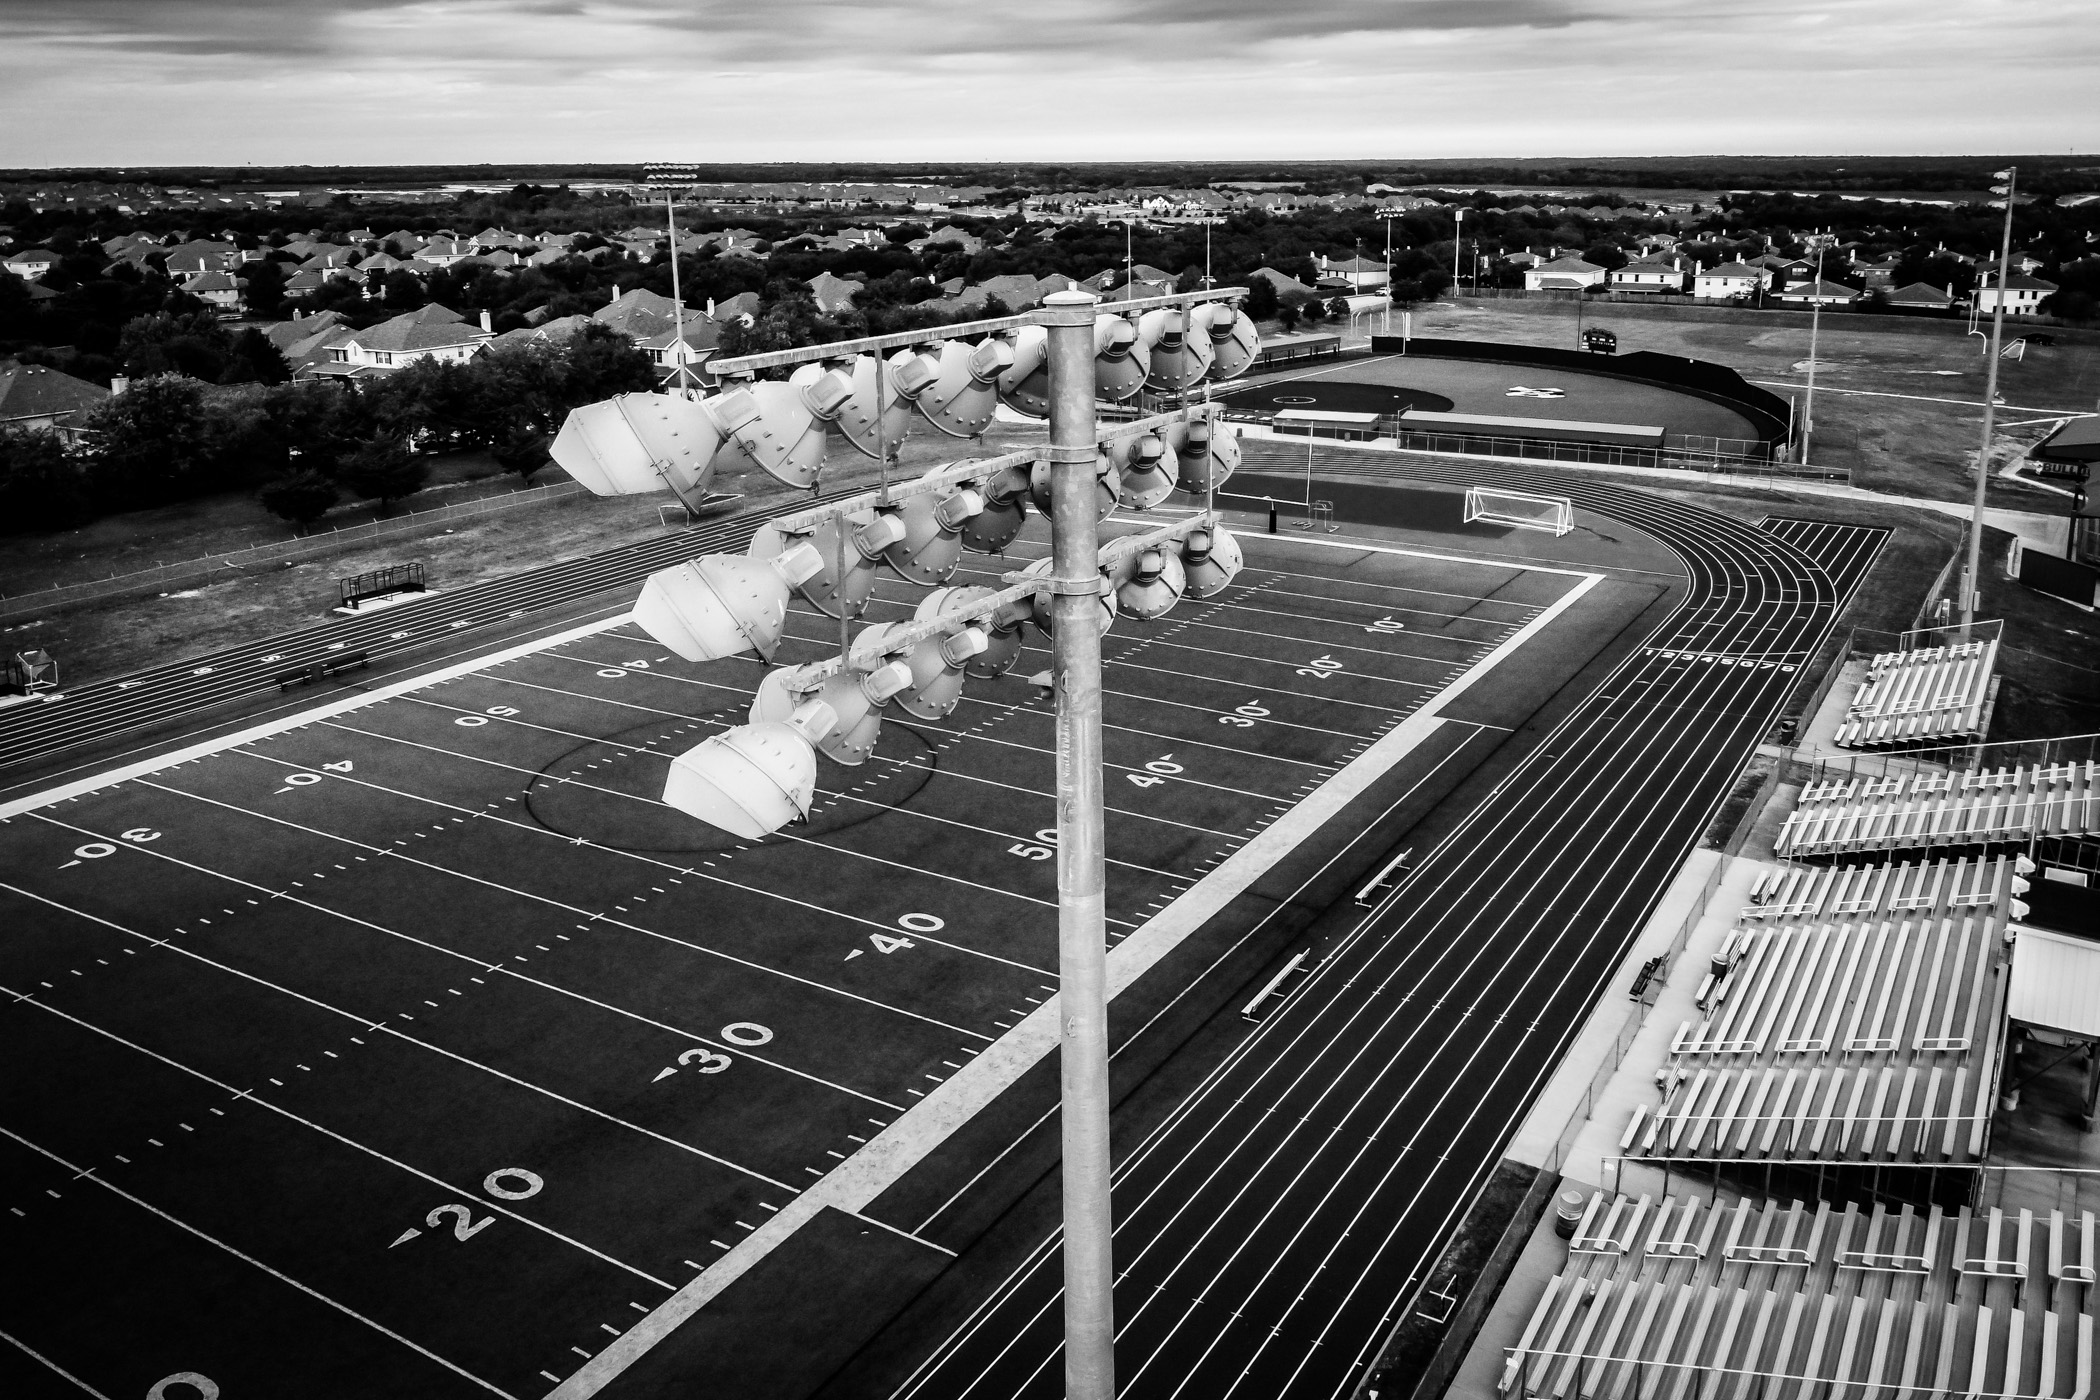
1156,772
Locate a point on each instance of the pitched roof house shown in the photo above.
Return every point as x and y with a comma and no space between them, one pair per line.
429,333
37,396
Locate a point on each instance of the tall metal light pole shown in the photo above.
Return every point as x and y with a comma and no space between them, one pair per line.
1815,326
1972,578
1082,940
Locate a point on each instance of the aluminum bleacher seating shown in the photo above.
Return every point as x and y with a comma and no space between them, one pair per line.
1840,816
1806,1302
1928,695
1846,1018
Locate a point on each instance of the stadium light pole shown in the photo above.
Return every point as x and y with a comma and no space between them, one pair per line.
1082,942
1972,579
1074,584
1815,326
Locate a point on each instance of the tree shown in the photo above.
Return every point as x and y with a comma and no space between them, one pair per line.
1605,255
262,287
1339,308
302,497
41,486
153,443
1261,299
1287,315
254,360
383,469
192,343
521,450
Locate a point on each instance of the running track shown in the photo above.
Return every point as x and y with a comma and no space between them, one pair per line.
1270,1230
162,694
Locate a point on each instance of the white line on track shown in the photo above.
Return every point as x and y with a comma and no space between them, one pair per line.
34,1355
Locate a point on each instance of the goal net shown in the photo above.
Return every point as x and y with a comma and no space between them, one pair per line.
1519,508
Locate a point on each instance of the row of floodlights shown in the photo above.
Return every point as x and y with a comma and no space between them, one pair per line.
756,778
781,426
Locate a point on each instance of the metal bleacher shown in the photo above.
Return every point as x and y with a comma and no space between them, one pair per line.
1847,1017
1928,695
1740,1299
1842,815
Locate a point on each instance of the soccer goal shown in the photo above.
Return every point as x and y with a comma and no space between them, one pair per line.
1521,509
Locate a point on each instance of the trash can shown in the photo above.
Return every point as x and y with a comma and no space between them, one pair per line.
1567,1213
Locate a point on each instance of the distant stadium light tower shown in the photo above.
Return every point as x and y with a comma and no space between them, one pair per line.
1972,579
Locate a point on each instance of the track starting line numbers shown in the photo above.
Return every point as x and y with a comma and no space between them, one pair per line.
1718,659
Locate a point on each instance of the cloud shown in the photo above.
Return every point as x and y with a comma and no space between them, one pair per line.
136,81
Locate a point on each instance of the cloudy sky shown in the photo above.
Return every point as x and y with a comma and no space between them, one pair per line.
142,82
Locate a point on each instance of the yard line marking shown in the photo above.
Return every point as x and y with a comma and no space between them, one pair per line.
208,748
38,1356
284,1278
901,1145
553,903
511,972
403,1036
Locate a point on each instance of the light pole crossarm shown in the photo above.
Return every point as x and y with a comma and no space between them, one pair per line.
870,653
801,522
904,340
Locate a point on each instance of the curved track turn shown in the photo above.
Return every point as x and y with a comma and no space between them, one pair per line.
1270,1229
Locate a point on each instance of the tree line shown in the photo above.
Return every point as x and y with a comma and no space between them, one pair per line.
302,447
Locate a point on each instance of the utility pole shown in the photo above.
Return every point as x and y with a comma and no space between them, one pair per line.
1972,578
1082,941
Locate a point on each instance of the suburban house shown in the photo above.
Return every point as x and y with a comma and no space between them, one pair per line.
833,294
202,255
429,333
215,289
37,396
689,344
1288,288
1923,296
304,340
1814,293
640,314
1563,274
2022,294
30,263
1352,274
1726,281
546,332
1648,277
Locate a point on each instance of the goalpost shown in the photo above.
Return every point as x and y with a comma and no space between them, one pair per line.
1520,508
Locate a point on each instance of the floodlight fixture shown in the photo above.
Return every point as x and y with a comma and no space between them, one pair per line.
1206,453
1234,339
867,535
774,427
1121,358
1108,486
965,387
1005,510
753,779
632,444
1024,385
937,665
1211,558
1181,354
1148,575
1041,568
1145,468
1001,628
854,698
931,545
723,604
854,413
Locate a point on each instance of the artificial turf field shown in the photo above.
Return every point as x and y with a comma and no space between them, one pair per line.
410,1047
1388,384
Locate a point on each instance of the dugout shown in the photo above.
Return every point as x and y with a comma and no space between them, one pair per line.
1325,423
2070,451
1530,429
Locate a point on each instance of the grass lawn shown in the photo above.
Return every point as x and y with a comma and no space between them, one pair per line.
97,641
1908,446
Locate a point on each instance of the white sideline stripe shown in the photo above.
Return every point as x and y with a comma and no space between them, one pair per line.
328,710
855,1184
